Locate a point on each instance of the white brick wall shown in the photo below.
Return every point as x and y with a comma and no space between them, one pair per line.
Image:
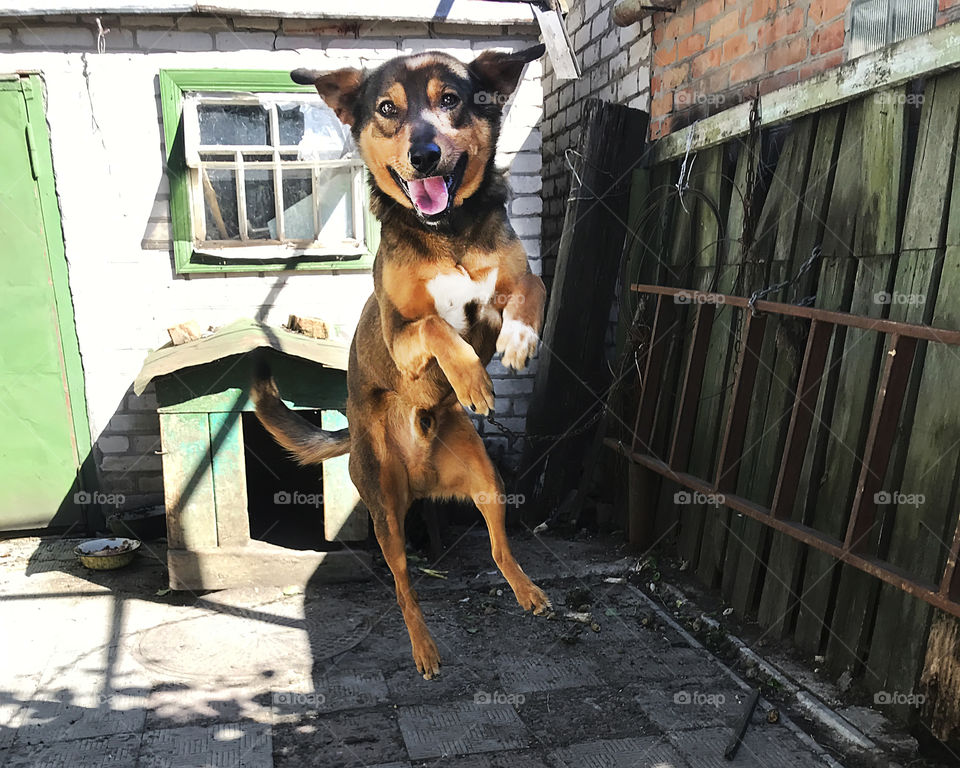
106,136
616,68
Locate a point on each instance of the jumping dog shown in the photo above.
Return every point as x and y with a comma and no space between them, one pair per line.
451,286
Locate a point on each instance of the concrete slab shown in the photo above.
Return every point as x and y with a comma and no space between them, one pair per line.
115,751
460,728
525,674
649,752
704,748
230,745
335,691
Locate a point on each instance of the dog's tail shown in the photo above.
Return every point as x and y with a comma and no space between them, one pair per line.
308,443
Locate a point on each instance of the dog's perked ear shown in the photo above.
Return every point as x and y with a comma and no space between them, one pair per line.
498,73
339,89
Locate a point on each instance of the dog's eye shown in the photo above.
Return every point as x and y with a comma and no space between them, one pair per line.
449,100
387,108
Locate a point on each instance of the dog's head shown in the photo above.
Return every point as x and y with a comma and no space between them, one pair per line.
426,125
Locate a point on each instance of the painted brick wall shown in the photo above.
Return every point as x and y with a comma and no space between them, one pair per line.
615,63
106,137
714,54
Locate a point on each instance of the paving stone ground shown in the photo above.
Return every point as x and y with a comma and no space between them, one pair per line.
112,670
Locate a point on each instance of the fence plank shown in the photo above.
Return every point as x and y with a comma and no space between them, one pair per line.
919,538
784,564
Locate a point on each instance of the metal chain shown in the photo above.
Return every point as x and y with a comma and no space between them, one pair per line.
542,438
754,148
804,268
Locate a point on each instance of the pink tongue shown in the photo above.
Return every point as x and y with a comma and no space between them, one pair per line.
429,195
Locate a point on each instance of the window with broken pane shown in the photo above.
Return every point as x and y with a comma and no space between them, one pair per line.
272,169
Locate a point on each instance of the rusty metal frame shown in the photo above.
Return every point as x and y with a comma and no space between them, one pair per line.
898,362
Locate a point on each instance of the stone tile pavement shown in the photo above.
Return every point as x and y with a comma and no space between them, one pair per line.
109,669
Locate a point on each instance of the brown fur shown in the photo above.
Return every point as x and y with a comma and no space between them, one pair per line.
411,371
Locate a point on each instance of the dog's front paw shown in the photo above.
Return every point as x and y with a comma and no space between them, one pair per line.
518,343
473,387
426,657
532,598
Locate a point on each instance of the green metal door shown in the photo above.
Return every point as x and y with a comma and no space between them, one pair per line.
44,437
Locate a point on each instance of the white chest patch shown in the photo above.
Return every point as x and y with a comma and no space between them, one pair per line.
452,291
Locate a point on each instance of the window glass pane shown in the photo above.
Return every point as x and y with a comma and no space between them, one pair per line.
261,209
220,203
336,204
315,130
298,204
233,124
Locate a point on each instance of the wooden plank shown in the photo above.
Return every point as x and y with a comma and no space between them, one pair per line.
781,356
188,481
919,537
707,179
861,236
778,599
344,517
913,58
883,424
723,361
229,479
570,370
692,384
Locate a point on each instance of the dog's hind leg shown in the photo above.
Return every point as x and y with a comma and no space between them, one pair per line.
385,489
464,470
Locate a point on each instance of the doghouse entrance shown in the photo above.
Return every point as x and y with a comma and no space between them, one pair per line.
284,499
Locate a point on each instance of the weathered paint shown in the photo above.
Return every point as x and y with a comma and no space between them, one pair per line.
42,412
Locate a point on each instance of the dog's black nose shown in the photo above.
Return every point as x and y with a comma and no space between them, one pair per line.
424,157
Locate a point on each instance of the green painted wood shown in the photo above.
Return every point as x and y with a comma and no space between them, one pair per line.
229,479
784,563
188,480
918,536
717,523
224,385
173,84
874,207
43,418
703,257
344,517
776,381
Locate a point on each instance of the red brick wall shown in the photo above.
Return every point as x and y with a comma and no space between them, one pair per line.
713,54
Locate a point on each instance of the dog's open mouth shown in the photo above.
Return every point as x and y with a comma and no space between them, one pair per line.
433,196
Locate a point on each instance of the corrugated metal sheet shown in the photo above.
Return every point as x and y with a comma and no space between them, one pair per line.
878,23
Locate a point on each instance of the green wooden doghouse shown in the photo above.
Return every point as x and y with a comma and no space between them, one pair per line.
203,391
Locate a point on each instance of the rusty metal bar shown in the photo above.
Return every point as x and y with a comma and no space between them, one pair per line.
881,569
801,419
731,450
880,325
883,425
692,382
653,371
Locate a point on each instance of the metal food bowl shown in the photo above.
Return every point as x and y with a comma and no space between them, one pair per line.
107,554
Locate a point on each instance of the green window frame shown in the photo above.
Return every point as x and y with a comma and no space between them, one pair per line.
174,83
